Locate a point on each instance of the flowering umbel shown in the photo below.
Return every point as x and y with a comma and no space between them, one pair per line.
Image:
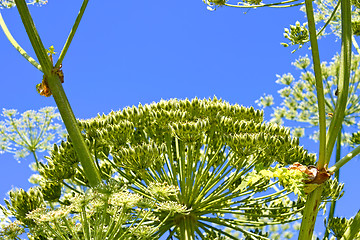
176,152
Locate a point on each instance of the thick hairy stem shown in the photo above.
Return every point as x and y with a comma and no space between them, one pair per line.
61,100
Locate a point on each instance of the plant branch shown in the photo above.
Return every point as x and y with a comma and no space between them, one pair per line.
36,160
344,160
330,18
314,199
60,98
318,82
34,37
72,33
344,77
16,45
355,45
337,176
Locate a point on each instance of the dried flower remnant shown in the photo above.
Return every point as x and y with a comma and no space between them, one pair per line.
315,177
43,87
311,170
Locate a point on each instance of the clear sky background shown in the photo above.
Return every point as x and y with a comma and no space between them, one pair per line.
130,52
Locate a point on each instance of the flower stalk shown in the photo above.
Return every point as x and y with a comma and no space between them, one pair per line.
344,160
318,83
313,200
60,98
337,176
17,46
72,33
344,78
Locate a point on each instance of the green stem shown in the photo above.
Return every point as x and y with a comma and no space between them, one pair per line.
60,98
309,214
330,18
70,187
36,160
187,227
314,198
16,45
344,77
72,33
344,160
70,122
313,201
337,176
34,37
318,82
22,136
353,230
355,45
85,224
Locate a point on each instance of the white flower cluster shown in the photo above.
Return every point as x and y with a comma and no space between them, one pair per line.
33,131
11,3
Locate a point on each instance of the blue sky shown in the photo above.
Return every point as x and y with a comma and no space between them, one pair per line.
131,52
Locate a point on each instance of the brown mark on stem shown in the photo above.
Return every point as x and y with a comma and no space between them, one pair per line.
316,177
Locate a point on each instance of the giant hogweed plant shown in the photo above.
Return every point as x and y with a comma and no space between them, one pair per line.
216,160
344,20
195,163
299,96
299,100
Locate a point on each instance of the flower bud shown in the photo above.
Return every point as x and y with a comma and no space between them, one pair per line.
51,191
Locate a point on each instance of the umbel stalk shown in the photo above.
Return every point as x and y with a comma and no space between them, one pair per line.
61,100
